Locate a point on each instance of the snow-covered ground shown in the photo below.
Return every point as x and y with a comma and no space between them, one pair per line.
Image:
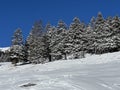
96,72
4,49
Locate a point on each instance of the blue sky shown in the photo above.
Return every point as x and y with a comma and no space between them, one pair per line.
23,13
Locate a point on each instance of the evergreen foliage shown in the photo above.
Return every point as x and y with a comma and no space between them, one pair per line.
99,36
17,48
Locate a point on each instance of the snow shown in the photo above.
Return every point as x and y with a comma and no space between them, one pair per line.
95,72
4,49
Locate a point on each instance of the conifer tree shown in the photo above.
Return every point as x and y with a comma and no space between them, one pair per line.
34,43
57,37
76,36
48,40
16,50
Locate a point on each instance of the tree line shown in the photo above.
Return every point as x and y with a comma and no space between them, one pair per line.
49,43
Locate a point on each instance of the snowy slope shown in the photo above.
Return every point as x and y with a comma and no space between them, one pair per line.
96,72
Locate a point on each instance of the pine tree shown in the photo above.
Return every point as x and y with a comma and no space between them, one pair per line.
62,27
37,29
57,36
98,34
17,38
115,27
34,43
48,40
76,37
25,50
16,50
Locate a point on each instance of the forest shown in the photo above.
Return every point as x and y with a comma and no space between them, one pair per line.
49,43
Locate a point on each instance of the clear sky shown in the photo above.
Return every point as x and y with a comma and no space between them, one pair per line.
23,13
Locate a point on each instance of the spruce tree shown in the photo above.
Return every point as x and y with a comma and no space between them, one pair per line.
17,47
62,28
34,43
48,40
76,36
57,35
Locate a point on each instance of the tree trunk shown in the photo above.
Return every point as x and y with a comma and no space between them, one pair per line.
65,56
50,58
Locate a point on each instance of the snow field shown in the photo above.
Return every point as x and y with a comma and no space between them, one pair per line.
95,72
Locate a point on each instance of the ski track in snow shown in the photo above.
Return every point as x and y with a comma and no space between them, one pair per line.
96,72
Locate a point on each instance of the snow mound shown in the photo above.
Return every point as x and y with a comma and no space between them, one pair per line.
4,49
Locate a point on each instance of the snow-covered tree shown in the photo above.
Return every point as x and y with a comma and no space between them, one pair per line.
35,44
99,36
17,38
105,35
76,39
48,40
16,50
56,44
